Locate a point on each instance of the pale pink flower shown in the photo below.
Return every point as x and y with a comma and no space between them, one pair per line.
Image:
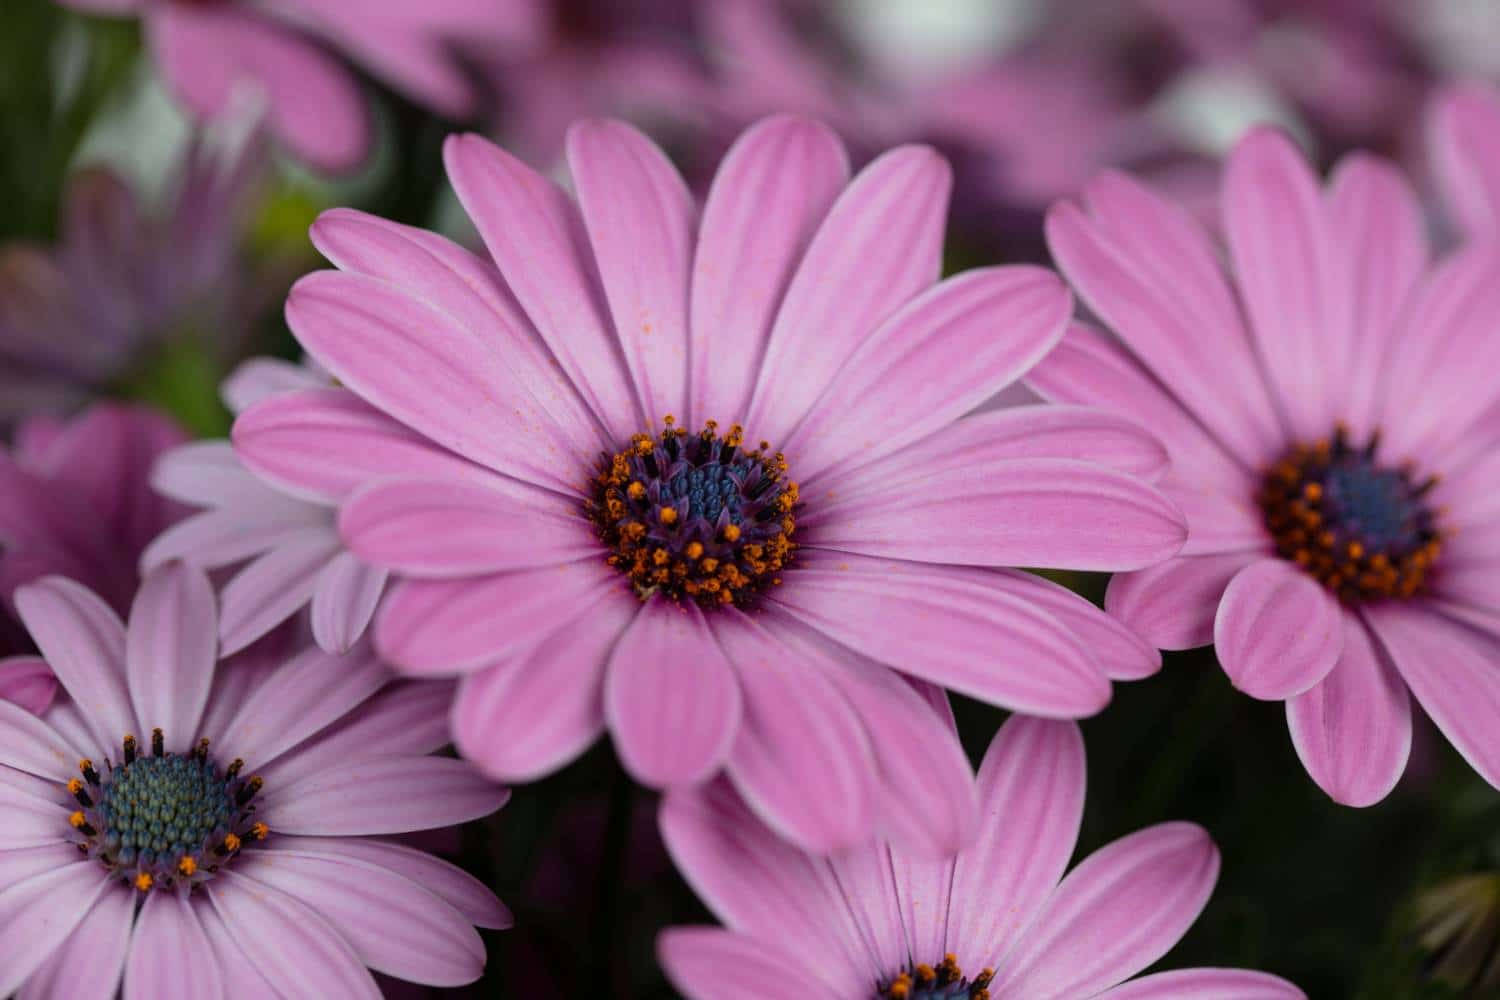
198,832
284,549
506,444
1326,392
998,922
283,51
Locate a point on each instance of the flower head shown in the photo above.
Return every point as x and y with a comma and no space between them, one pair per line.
1332,431
210,53
284,548
178,824
996,922
76,500
706,482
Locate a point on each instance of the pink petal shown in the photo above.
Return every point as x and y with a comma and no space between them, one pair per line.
31,745
83,641
1116,913
297,701
91,959
27,681
262,378
925,782
444,529
323,444
801,757
405,718
463,891
1031,803
639,217
274,587
343,602
204,473
1279,245
311,958
536,237
758,883
456,626
709,963
31,820
415,793
449,278
1353,730
773,189
525,718
170,955
1378,231
171,648
1027,512
1463,139
670,697
219,538
955,627
1054,431
241,973
880,245
1123,655
1450,668
1087,369
313,103
1219,522
422,366
1145,267
37,915
1278,632
1206,984
944,353
393,925
1172,606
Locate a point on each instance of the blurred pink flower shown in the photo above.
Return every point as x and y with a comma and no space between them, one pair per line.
81,317
285,546
585,560
270,883
999,921
213,51
1463,137
1333,443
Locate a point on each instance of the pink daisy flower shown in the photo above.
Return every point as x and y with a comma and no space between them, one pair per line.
550,454
75,500
997,922
285,550
214,833
1333,430
1463,138
208,52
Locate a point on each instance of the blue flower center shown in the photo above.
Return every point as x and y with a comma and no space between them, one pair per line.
1361,528
696,517
166,820
945,981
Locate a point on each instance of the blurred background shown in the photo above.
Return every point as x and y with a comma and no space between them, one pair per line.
150,228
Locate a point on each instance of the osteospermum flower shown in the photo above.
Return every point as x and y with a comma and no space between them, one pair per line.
569,461
76,500
1333,431
285,549
210,51
997,922
215,833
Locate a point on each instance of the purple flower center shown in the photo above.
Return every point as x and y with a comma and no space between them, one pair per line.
945,981
696,517
164,820
1362,529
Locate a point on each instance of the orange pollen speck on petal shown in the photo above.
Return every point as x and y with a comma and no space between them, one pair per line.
143,882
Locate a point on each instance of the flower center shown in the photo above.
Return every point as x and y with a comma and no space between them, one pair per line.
696,517
166,820
1361,529
945,982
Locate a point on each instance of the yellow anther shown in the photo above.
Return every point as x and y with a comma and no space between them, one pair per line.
77,820
186,867
143,882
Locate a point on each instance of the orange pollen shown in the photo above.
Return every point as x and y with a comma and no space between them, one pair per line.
143,882
187,866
